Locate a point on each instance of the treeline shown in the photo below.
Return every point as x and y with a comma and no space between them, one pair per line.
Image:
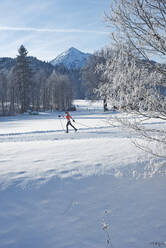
25,88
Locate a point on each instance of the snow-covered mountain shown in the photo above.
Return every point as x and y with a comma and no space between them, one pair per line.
72,59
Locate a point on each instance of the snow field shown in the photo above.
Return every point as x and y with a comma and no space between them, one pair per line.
56,188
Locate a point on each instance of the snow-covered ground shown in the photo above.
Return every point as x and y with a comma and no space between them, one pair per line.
57,189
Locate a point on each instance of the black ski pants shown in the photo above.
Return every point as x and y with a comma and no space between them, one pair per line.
67,125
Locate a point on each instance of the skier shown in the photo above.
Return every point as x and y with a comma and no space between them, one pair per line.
68,118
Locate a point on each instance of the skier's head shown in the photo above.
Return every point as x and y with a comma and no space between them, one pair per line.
66,112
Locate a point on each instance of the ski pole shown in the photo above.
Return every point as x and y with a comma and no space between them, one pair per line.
83,124
86,126
61,124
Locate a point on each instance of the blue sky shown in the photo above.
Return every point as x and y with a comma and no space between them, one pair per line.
48,27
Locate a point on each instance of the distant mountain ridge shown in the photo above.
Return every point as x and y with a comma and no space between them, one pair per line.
36,65
69,62
71,59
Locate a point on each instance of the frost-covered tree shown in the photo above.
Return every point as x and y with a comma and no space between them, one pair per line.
12,94
3,94
129,83
141,24
39,84
59,91
90,77
93,77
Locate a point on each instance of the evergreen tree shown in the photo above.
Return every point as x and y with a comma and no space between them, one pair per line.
23,79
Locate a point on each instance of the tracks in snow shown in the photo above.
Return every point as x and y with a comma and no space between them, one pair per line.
51,135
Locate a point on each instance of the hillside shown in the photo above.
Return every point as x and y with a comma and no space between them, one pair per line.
36,65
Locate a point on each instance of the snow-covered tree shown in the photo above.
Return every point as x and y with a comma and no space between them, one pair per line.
130,84
93,76
141,24
59,91
3,93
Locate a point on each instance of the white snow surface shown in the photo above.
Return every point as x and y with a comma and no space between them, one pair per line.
72,59
57,188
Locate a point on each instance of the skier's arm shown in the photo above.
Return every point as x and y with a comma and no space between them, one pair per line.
72,118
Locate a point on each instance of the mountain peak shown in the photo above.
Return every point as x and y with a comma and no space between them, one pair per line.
73,49
72,59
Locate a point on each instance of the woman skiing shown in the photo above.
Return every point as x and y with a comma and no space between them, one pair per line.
69,118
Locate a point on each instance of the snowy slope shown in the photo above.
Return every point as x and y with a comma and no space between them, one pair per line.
56,189
72,59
